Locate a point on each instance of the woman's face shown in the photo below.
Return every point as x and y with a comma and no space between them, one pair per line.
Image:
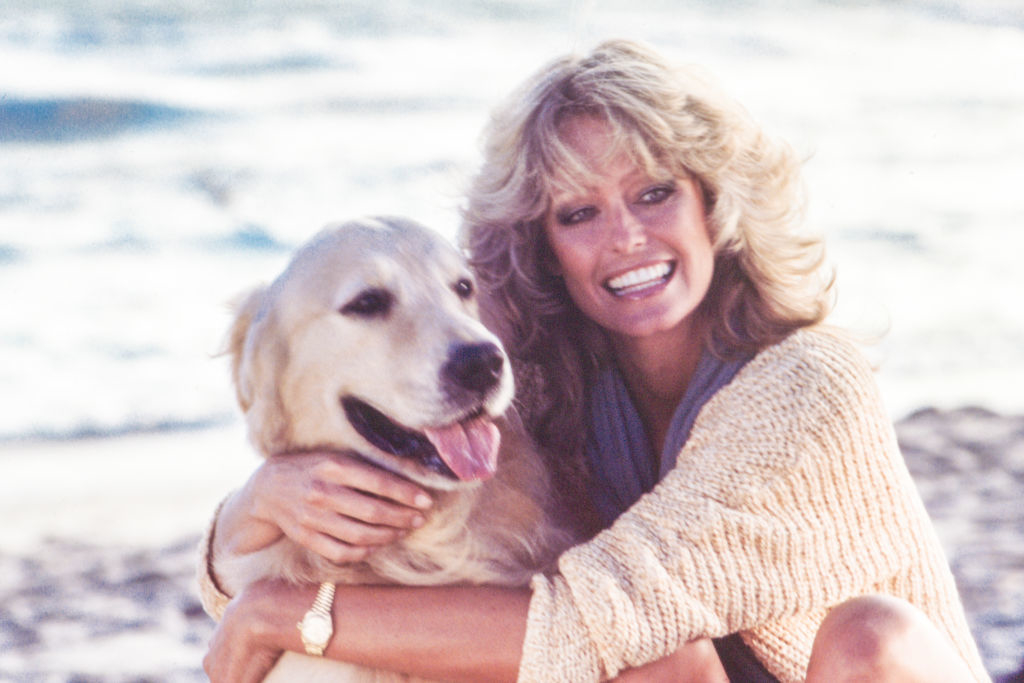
634,250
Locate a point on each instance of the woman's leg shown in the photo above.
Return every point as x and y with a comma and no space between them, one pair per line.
880,638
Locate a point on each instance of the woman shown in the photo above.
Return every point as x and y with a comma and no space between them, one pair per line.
636,238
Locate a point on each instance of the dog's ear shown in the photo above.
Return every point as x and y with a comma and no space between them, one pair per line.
259,354
247,308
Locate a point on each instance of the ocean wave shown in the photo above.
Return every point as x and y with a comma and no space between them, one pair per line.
269,65
96,431
985,12
399,104
81,118
247,238
9,254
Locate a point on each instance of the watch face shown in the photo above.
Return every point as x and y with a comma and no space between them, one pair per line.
317,628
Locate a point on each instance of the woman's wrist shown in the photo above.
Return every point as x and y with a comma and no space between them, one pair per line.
272,610
242,529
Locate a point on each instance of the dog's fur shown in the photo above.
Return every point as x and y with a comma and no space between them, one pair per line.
383,310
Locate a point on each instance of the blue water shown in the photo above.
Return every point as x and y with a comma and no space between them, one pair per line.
157,159
71,120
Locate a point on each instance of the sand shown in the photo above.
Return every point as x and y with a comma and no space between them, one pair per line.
97,552
98,543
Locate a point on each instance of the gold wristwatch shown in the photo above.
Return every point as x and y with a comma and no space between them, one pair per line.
317,626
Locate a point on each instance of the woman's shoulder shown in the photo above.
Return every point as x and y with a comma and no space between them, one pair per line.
771,417
824,352
813,372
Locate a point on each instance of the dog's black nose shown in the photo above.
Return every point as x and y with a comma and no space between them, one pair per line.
476,367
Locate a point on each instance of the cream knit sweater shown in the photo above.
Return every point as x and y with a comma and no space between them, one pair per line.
789,497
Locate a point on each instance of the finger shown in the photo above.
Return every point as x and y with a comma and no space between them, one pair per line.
297,487
331,549
313,521
259,666
338,552
210,667
250,670
218,663
354,472
351,505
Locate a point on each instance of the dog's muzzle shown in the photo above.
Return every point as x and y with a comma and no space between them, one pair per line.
465,450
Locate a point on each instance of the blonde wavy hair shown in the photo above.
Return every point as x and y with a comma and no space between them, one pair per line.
768,276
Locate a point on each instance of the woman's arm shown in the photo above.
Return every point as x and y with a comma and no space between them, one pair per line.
446,633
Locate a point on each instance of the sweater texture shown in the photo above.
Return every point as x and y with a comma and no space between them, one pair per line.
789,497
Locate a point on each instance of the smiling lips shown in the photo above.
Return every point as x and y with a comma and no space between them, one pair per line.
640,279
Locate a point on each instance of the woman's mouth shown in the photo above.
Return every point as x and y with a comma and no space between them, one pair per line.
640,279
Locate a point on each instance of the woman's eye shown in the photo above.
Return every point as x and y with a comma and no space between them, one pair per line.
369,303
577,216
656,195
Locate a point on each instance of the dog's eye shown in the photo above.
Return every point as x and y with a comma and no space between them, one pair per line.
464,288
369,303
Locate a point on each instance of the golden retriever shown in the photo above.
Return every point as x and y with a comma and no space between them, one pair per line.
370,342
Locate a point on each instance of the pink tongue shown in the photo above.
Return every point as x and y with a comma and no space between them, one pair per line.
469,448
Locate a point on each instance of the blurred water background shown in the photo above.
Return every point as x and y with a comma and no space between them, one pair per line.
156,158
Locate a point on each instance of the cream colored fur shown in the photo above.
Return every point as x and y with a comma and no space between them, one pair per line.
295,354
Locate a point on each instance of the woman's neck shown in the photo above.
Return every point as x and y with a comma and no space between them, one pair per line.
657,370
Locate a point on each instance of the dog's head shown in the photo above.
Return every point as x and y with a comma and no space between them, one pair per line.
370,341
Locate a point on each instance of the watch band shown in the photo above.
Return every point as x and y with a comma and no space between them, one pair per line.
317,626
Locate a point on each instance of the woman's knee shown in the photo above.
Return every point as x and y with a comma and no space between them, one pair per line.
866,628
880,638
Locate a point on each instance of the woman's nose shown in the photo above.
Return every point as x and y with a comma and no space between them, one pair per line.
628,233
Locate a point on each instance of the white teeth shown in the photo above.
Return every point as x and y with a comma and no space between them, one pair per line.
639,278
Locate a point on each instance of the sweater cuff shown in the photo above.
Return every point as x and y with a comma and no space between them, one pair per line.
557,646
213,599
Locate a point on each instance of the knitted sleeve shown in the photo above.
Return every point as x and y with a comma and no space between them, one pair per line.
212,597
790,495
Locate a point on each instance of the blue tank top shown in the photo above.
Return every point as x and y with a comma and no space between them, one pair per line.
618,452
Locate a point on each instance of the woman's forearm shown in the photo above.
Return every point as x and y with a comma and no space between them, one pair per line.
452,633
446,633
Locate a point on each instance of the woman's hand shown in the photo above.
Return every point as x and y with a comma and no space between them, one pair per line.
254,631
334,504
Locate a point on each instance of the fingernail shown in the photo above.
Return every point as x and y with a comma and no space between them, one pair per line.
418,521
423,501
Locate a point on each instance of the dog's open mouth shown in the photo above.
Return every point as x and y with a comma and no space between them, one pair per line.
466,450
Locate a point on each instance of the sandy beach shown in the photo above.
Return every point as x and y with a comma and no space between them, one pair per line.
97,561
97,551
